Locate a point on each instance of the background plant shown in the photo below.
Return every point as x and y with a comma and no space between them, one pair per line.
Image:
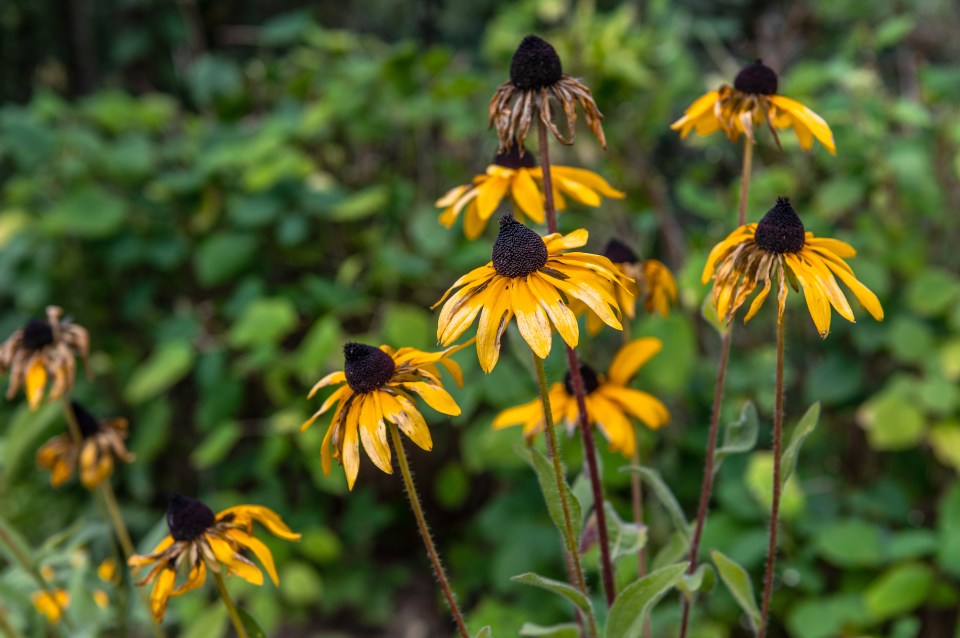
223,195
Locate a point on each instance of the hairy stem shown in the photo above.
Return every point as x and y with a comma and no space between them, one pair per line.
425,532
775,505
231,608
745,179
707,486
553,448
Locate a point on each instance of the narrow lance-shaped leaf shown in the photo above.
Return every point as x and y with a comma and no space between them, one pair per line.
253,629
548,485
634,603
666,497
566,630
562,589
739,437
738,583
486,632
804,428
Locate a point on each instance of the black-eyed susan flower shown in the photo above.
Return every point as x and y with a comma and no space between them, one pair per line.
51,604
536,77
43,349
534,279
101,446
514,173
200,540
648,280
611,403
378,388
752,101
779,249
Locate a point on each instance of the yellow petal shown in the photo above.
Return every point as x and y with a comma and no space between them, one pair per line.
263,515
527,196
195,579
411,423
160,594
261,551
490,195
36,382
810,120
493,321
563,318
531,319
589,179
373,433
330,379
642,405
435,396
350,453
632,357
525,414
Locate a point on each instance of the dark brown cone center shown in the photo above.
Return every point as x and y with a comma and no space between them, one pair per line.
780,230
756,78
188,518
366,368
37,333
590,380
88,424
515,157
518,251
535,64
619,253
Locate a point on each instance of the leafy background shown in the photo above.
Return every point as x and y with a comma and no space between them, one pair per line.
225,192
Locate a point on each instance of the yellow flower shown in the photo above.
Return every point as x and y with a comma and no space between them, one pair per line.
753,102
610,401
51,606
200,540
42,349
780,248
101,447
378,384
536,77
101,598
526,277
107,570
646,279
513,172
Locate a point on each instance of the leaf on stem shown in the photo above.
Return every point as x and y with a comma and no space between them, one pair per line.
569,592
739,437
806,425
633,604
738,584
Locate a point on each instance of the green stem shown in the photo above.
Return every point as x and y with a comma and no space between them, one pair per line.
8,630
231,608
745,179
553,446
28,566
425,532
775,505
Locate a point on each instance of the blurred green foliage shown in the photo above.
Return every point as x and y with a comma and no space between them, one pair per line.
221,240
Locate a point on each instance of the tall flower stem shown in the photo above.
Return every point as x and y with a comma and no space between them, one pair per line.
707,485
553,446
425,532
231,608
28,566
576,381
775,505
745,179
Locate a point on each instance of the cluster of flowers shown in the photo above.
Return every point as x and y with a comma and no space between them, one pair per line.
543,282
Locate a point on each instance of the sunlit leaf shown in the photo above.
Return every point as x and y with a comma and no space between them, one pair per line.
738,584
632,605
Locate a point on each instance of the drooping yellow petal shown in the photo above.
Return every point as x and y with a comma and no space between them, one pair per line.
493,321
261,551
195,579
36,382
810,120
813,293
615,426
263,515
451,196
490,195
160,595
330,379
350,453
373,433
412,423
527,196
483,272
531,319
631,358
589,179
644,406
557,242
700,113
863,294
234,562
524,414
435,396
562,317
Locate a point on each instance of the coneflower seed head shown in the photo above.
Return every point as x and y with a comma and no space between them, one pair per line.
518,251
535,64
515,157
188,518
366,368
756,78
780,230
89,424
619,253
37,333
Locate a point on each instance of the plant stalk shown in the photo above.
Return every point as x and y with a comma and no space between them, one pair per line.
586,433
775,505
706,486
28,566
425,532
553,447
231,608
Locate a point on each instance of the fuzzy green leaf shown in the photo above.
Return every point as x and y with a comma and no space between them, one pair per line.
580,601
633,604
738,584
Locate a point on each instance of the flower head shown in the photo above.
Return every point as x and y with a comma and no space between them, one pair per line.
102,444
536,77
752,101
533,279
201,540
514,172
51,604
611,403
377,388
647,280
41,349
779,248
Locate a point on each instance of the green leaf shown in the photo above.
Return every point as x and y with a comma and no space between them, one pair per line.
210,624
851,543
632,606
948,521
898,590
566,630
666,498
569,592
739,436
222,256
892,421
626,539
548,485
486,632
738,583
759,481
788,462
361,204
264,322
702,579
251,625
89,212
945,441
215,447
169,363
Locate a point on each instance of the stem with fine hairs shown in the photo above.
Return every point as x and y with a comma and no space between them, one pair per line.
425,532
775,505
573,361
231,608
